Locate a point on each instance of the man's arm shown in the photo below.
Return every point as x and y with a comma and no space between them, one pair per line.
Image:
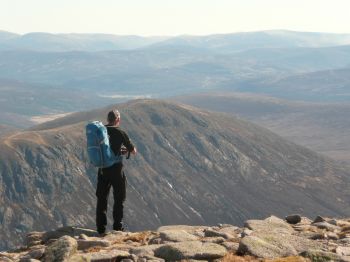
127,143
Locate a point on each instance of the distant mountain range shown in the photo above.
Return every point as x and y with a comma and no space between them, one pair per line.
73,42
94,79
219,42
193,167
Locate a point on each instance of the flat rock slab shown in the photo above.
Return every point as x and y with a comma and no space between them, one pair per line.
85,244
189,229
190,250
216,233
270,224
144,250
177,236
61,249
104,256
252,245
274,245
317,255
68,231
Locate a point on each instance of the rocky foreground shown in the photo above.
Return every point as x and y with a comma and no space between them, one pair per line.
273,239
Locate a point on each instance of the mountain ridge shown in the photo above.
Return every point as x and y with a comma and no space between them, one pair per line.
206,167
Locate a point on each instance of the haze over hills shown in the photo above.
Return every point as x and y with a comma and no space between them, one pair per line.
69,42
322,127
328,85
45,74
262,39
219,42
51,83
205,167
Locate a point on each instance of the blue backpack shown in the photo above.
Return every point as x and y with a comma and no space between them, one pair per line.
99,150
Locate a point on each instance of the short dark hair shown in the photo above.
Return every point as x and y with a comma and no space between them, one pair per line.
113,115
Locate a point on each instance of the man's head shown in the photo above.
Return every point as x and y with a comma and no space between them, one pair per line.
113,117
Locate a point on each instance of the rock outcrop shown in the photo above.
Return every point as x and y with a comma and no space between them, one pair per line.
271,239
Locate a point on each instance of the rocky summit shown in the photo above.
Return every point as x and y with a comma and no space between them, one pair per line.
271,239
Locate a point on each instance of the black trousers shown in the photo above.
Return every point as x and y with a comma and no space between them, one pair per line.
110,177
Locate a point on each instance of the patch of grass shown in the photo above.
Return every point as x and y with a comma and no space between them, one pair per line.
140,237
93,250
289,259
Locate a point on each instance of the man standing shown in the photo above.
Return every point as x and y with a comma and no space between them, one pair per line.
113,176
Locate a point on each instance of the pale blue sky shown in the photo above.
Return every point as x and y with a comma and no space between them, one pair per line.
165,17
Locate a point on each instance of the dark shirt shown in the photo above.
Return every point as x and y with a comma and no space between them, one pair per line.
117,138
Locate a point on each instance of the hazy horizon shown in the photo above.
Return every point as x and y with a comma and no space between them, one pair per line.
175,35
169,18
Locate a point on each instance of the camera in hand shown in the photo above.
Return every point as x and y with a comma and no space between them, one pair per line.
123,150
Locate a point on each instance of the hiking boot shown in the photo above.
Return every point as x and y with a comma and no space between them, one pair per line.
119,229
102,234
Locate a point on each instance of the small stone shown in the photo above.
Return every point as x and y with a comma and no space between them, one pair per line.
214,233
37,253
345,241
333,222
226,225
85,244
68,231
319,219
231,246
343,251
156,240
144,250
332,236
246,232
305,221
83,236
293,219
326,225
312,235
217,240
61,249
152,258
190,250
318,255
33,238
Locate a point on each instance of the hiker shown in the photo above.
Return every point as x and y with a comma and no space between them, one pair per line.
113,176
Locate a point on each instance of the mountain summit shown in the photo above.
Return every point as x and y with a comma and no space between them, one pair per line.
193,167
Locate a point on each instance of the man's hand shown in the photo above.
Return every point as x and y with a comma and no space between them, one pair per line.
123,150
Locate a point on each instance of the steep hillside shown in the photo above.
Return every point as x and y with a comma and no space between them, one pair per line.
193,167
322,127
329,85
